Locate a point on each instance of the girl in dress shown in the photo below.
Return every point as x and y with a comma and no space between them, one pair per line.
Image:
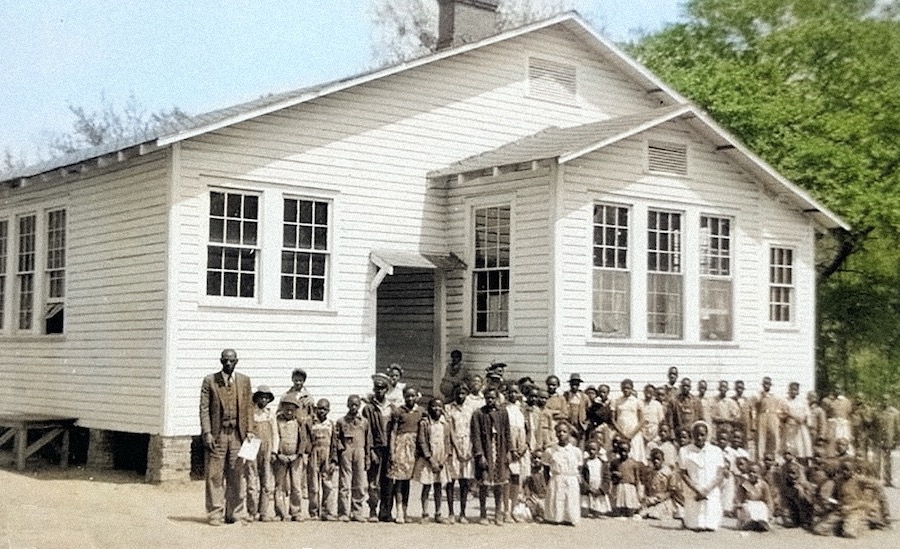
628,501
519,460
491,451
433,441
595,481
475,398
563,504
654,414
397,387
628,421
702,470
459,464
403,432
660,486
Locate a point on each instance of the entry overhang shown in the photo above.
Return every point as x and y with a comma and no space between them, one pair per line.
387,260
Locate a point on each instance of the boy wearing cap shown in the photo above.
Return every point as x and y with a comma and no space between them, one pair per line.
293,448
577,404
378,412
322,465
260,478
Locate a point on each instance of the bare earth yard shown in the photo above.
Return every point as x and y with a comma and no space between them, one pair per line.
77,508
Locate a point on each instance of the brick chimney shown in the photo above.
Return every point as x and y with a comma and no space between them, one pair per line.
464,21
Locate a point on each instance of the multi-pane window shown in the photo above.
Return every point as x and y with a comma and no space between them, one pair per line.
55,269
25,267
664,275
781,284
305,252
231,258
491,271
611,271
715,278
4,242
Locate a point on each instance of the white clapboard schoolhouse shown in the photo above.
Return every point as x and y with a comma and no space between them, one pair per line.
534,197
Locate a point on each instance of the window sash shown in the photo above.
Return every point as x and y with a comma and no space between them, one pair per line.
612,303
665,305
232,256
27,254
663,242
781,284
716,309
305,254
491,271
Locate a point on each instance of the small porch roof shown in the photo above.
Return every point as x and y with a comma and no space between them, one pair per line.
387,259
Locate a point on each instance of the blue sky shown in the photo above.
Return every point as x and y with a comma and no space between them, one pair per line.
199,55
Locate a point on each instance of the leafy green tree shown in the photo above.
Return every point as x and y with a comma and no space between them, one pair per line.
813,86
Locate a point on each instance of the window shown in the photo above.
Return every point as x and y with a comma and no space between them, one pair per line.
715,278
612,279
781,284
664,275
4,241
304,255
491,271
551,81
231,259
25,270
55,276
667,158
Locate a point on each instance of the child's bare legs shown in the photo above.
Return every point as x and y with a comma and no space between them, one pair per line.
463,498
498,503
437,502
512,496
401,499
426,490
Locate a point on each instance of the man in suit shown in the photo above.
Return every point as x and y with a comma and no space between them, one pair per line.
225,421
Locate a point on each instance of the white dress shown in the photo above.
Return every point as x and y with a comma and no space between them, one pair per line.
518,442
796,437
563,503
702,465
628,417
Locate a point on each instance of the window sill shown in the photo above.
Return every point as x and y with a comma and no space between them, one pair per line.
30,338
788,327
661,343
256,307
502,340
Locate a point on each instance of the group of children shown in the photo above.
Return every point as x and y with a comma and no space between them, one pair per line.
543,456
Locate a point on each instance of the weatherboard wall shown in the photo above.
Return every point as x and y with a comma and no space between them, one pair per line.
714,185
106,369
366,149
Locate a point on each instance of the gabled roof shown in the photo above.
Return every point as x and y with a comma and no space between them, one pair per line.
221,118
567,144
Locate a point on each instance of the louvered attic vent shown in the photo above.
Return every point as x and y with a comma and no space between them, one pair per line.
668,158
551,81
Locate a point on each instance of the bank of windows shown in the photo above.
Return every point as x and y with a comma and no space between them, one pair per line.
33,267
237,256
491,271
781,284
665,283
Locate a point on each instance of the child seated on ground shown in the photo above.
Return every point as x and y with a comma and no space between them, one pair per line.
753,502
534,489
659,487
595,481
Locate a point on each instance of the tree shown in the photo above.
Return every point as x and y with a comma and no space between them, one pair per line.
813,86
111,123
406,29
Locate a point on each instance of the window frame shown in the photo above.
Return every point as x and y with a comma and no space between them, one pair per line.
791,287
674,272
270,240
627,270
470,284
708,278
326,252
224,245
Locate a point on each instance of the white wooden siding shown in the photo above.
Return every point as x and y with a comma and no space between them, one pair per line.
371,147
106,370
617,174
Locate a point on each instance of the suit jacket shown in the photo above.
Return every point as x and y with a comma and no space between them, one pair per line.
212,409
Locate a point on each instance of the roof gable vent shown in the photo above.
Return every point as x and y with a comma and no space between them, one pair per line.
551,81
668,158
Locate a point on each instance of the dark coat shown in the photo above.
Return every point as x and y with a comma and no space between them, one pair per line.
496,458
212,408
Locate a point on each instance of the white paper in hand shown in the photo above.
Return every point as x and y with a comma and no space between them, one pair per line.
249,448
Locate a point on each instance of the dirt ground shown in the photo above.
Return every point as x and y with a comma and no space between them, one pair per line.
45,507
